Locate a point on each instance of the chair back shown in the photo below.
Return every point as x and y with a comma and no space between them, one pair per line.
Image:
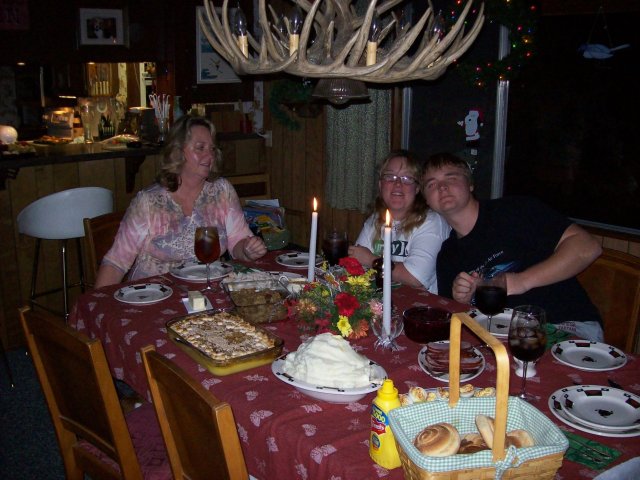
81,397
613,284
99,234
59,216
252,187
199,430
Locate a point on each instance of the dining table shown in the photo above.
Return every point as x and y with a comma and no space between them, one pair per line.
285,433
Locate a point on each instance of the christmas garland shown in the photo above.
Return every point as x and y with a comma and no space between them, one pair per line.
288,91
520,17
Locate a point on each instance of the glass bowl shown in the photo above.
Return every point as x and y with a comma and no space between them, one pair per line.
426,324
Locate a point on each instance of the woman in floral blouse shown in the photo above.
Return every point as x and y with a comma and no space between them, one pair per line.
157,231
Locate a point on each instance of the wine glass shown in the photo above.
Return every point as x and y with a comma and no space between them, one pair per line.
491,295
207,248
527,339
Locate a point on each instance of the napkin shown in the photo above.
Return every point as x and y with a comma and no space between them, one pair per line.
594,455
554,335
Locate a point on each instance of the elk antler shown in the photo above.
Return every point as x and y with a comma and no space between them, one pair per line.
339,38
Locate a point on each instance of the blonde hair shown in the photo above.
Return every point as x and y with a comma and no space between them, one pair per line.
419,209
173,153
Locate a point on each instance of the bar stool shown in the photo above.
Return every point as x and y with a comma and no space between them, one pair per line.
59,217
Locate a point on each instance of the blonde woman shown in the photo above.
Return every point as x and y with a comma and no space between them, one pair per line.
158,229
417,233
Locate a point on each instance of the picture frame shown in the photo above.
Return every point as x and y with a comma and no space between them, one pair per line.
211,67
102,26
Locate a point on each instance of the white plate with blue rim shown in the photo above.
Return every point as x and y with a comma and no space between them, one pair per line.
197,272
589,356
143,293
499,323
331,394
296,259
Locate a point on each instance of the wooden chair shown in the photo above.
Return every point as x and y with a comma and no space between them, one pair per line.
199,430
99,234
252,187
613,284
92,432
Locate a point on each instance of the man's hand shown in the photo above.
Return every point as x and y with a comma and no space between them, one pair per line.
464,287
362,254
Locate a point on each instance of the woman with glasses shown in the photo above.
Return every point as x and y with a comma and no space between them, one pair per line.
157,231
417,233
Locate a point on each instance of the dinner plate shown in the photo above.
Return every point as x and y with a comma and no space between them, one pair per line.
296,259
605,408
589,356
329,394
555,406
444,377
499,323
197,272
143,293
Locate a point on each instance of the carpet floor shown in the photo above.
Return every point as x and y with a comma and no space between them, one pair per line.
28,446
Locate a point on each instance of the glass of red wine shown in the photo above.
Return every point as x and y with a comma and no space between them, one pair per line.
527,339
491,296
207,249
335,245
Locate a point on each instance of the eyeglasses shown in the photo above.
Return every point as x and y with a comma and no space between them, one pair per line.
391,178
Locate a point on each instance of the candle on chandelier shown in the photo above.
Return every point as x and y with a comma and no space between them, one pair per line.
312,242
372,40
295,27
386,278
241,32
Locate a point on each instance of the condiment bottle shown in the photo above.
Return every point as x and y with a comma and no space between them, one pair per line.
382,445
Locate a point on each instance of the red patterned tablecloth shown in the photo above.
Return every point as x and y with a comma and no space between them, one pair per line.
285,434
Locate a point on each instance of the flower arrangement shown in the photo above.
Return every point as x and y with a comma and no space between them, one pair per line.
343,300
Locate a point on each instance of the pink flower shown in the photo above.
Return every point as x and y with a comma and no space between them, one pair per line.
376,307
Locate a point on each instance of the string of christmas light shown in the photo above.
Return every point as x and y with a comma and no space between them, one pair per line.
520,17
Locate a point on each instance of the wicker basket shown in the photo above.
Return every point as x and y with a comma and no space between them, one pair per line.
540,461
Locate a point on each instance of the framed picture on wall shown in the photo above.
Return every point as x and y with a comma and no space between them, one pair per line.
212,68
102,26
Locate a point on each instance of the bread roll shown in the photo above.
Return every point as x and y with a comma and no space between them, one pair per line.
519,439
486,426
438,440
472,443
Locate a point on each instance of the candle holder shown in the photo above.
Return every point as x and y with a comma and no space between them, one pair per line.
163,127
387,340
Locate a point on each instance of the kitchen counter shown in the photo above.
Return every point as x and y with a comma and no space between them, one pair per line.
11,164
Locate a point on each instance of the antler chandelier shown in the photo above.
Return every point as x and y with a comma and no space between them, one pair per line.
331,41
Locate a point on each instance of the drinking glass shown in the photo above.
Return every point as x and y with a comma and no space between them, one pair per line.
527,339
335,245
491,296
207,249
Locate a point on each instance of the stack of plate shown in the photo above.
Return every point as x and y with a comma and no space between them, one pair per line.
605,411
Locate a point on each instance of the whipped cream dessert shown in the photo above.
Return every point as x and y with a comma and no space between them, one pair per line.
328,360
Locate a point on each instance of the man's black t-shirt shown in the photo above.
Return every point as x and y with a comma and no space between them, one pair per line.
510,235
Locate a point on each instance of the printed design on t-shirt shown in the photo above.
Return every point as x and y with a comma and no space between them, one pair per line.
490,272
398,248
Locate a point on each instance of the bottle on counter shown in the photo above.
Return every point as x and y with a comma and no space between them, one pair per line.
382,445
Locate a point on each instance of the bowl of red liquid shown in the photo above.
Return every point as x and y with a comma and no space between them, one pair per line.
426,324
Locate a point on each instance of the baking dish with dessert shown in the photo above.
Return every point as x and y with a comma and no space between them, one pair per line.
224,343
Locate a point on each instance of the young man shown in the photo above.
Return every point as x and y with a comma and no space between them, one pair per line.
539,250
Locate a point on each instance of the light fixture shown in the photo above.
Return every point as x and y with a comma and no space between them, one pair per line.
330,41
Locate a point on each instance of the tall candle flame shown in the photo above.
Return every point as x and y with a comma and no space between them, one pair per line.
315,204
388,221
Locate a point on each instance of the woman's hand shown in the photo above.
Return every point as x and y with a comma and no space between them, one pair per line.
362,254
250,248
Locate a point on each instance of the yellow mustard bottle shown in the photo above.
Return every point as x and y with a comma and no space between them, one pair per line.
382,445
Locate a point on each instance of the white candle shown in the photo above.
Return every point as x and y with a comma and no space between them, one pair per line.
386,280
312,242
